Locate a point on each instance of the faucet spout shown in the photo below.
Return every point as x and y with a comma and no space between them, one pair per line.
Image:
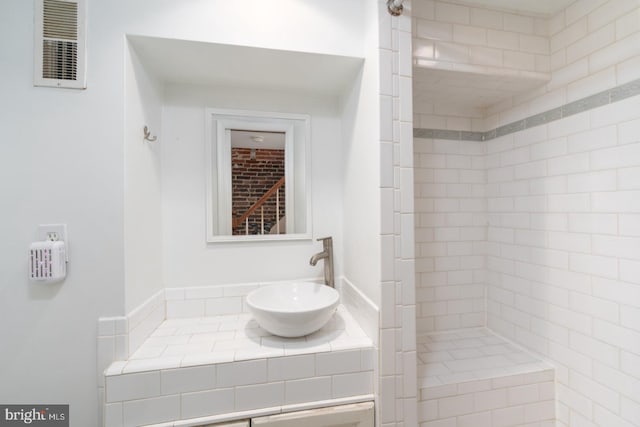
327,256
317,257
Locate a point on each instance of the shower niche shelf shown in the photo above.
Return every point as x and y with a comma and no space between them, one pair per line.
471,85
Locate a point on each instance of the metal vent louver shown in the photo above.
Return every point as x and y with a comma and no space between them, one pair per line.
60,43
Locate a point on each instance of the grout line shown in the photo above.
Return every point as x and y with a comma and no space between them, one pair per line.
615,94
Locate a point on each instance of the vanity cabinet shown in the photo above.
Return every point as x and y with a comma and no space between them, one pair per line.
355,415
230,424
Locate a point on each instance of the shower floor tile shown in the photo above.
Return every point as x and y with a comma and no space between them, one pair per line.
470,354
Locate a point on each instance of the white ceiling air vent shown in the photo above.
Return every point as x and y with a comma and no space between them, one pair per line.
60,34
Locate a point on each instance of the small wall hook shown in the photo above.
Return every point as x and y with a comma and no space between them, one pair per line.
147,135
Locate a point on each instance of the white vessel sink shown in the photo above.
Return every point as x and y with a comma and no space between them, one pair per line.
293,309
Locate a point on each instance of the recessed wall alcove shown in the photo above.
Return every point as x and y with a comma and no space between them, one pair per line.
170,83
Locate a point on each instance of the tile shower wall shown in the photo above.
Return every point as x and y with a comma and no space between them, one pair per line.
450,233
564,258
397,372
593,46
451,33
564,217
563,214
450,36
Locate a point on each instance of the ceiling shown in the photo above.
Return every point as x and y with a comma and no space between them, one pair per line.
537,7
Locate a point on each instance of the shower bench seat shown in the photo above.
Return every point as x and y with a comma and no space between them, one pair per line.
473,377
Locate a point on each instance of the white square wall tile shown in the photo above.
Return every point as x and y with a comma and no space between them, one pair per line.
106,350
386,114
539,411
291,367
121,325
113,415
404,54
434,30
523,394
221,306
183,308
410,374
486,18
307,390
106,326
492,399
206,403
615,53
455,406
478,419
388,265
423,9
340,362
408,328
183,380
510,416
352,384
241,373
121,347
259,396
446,12
151,411
406,145
407,246
518,23
368,359
132,386
469,35
204,292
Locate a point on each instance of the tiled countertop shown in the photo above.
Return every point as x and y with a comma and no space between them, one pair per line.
196,371
229,338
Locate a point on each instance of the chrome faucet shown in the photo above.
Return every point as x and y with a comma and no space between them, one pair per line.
327,255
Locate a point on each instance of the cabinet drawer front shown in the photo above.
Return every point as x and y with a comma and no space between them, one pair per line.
356,415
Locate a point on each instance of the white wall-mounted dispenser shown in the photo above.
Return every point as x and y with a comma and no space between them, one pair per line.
48,257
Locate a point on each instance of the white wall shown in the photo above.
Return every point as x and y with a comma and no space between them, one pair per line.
143,192
50,330
361,165
188,259
61,161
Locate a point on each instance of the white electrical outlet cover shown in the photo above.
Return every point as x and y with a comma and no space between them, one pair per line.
45,231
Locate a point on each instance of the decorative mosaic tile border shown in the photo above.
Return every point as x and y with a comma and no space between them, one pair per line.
610,96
